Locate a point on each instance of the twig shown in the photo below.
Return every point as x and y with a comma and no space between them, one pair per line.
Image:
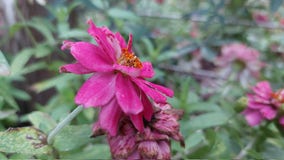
244,151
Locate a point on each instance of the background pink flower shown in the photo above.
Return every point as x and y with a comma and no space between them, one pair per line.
263,104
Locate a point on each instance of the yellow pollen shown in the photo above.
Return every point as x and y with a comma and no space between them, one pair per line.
129,59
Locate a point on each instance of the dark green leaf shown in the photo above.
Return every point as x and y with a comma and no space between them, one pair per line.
42,121
72,137
26,140
208,120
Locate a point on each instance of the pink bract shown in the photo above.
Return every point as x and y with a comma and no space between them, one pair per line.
117,85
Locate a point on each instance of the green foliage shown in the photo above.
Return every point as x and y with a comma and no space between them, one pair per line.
182,39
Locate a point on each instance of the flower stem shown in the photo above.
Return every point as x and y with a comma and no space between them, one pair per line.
63,123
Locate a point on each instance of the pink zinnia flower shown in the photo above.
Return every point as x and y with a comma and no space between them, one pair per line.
241,57
263,104
153,142
118,85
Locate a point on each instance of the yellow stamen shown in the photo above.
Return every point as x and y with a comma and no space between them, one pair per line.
129,59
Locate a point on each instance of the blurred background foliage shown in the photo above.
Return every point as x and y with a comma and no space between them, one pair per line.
183,40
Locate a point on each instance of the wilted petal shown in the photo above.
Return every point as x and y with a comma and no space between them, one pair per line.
76,68
109,117
127,95
67,45
97,130
148,149
165,150
91,56
147,70
97,90
253,117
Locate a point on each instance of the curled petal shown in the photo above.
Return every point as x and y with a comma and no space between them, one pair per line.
109,117
161,89
154,94
66,45
91,56
76,68
100,35
97,90
127,95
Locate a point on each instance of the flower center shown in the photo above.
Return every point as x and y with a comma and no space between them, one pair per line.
129,59
279,96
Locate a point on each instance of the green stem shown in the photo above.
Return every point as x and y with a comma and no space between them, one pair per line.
63,123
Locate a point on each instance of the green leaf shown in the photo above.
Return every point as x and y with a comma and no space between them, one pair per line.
20,61
208,120
58,81
7,113
72,137
26,140
42,121
4,66
97,151
203,107
194,139
122,14
275,4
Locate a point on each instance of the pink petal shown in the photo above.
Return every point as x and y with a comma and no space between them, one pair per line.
148,109
253,117
256,105
268,113
76,68
100,36
164,151
154,94
281,120
147,71
263,89
91,56
129,45
127,95
120,40
160,88
137,121
131,71
97,90
67,45
109,117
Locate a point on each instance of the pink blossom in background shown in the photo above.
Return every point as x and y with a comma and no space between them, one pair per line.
117,84
260,18
281,22
263,104
238,55
153,142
